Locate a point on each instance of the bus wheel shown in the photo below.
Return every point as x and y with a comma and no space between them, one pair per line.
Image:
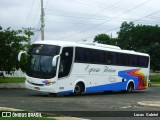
79,88
130,87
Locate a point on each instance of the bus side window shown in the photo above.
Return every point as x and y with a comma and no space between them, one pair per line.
134,61
81,55
108,56
144,61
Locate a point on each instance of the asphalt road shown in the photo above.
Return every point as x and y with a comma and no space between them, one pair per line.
112,101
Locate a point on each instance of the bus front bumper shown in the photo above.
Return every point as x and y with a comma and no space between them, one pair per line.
44,88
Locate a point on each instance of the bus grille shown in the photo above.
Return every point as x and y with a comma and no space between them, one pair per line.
35,83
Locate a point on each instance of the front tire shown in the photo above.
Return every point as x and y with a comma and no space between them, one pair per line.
79,88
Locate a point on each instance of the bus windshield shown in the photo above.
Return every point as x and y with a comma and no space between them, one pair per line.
40,61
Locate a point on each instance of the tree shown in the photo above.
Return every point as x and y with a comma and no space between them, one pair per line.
125,35
11,42
102,38
29,34
105,39
141,38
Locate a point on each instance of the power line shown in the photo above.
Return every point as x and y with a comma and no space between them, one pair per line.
36,14
83,17
93,15
133,21
46,4
87,18
148,15
29,13
107,20
37,30
36,38
78,17
96,3
119,20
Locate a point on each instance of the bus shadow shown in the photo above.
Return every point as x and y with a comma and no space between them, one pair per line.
108,93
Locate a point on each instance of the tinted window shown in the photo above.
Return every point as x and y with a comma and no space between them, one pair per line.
126,59
93,56
81,55
134,60
40,66
108,58
143,61
86,55
102,57
44,49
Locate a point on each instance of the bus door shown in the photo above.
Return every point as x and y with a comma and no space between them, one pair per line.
65,62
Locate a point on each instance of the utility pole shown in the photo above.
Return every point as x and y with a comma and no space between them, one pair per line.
42,21
111,35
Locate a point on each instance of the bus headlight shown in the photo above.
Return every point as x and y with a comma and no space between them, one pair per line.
48,82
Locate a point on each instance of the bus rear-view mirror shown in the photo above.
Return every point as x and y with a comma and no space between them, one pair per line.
54,61
20,54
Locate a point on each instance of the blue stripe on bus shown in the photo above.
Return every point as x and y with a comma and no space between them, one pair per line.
128,75
107,87
119,85
67,91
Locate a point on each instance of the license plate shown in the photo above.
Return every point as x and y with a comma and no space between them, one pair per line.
36,88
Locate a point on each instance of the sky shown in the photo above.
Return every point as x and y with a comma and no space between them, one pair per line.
77,20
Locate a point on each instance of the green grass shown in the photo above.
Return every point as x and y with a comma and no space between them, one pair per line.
155,79
12,79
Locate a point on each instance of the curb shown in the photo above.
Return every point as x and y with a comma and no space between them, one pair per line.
149,103
12,85
9,109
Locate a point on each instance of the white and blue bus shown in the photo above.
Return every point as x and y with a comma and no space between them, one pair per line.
68,67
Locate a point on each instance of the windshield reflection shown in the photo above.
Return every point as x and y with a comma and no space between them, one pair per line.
40,61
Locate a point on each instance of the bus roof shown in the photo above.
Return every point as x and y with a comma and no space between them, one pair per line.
89,45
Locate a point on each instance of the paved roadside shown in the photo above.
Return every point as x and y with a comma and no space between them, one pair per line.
9,109
22,85
12,85
150,103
